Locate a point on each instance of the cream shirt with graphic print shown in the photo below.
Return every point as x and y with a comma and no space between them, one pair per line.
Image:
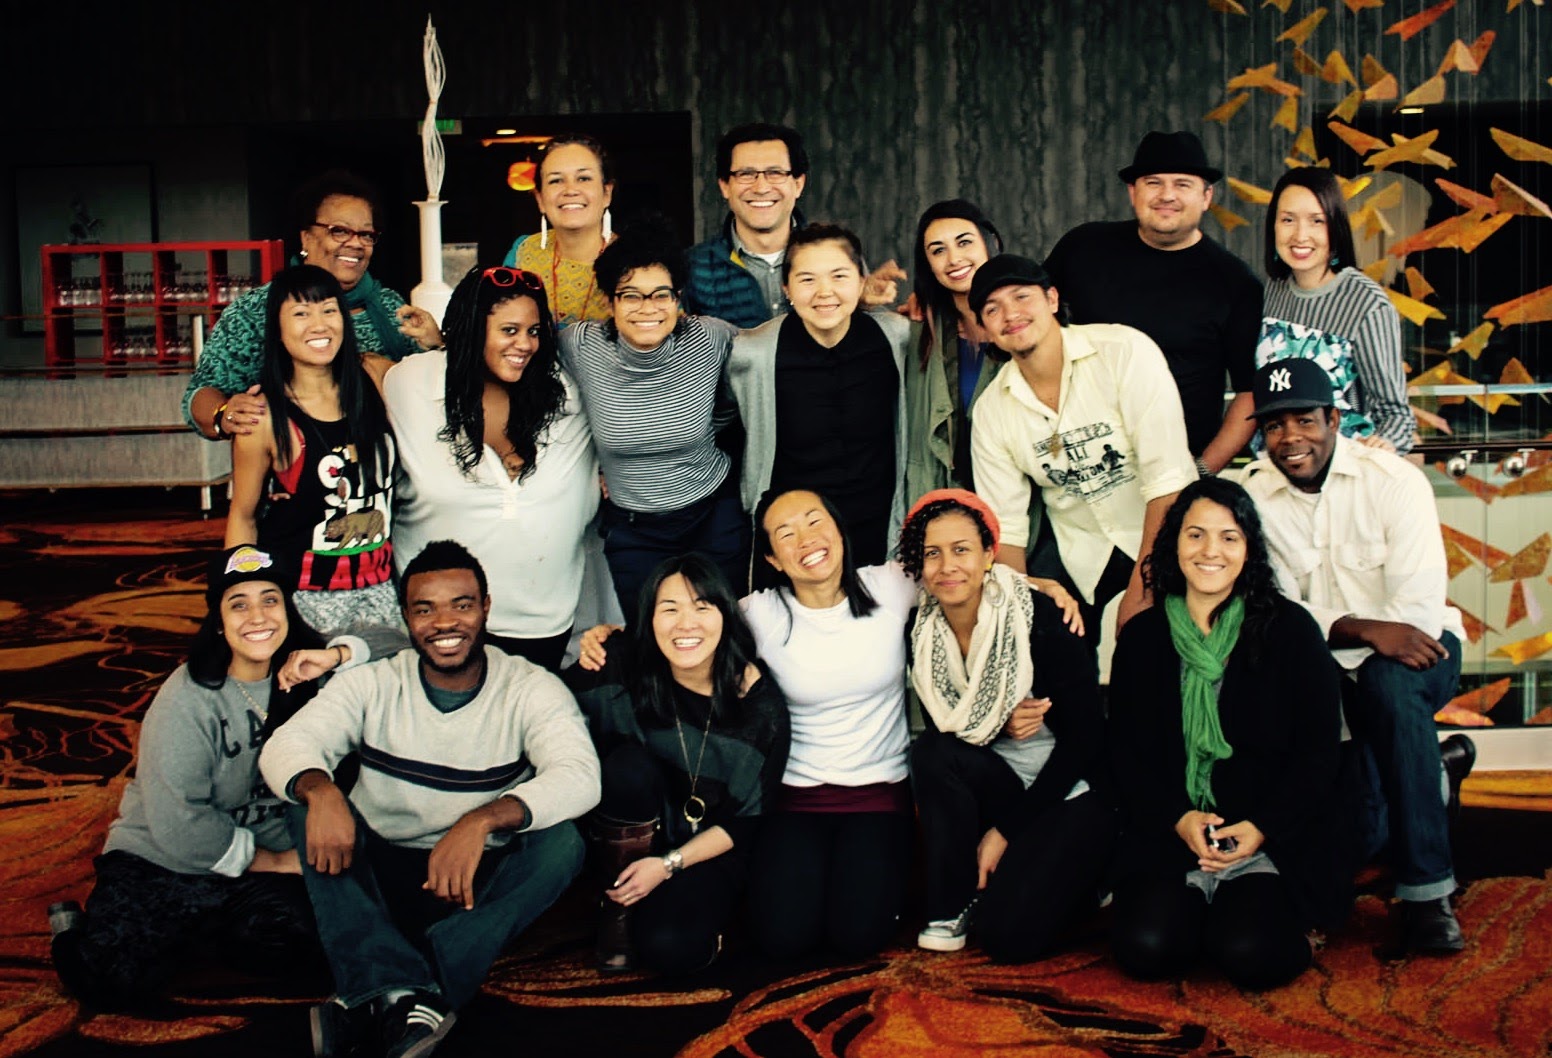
1117,441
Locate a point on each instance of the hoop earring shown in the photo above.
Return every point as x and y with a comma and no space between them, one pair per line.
544,231
608,226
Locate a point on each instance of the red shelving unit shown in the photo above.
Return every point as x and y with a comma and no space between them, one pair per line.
134,304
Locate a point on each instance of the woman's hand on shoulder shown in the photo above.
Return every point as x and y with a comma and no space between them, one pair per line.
591,651
1374,440
881,286
246,413
1072,617
420,325
305,665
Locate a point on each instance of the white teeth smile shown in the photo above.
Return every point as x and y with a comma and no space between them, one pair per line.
447,643
687,643
809,561
960,273
259,635
320,343
349,260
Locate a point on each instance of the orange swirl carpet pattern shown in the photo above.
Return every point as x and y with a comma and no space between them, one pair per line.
95,613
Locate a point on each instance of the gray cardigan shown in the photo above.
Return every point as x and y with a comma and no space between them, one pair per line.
752,377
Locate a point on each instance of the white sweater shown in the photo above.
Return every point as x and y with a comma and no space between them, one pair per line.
421,769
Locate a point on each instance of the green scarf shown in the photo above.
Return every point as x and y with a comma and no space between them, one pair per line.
1201,667
364,296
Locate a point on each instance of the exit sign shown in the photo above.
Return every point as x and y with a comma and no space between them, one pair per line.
446,126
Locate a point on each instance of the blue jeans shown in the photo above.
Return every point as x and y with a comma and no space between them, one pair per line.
1390,712
382,932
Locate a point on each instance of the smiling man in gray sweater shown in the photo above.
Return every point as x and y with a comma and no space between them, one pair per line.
457,834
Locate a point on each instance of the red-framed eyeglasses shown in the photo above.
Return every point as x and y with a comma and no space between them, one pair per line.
502,276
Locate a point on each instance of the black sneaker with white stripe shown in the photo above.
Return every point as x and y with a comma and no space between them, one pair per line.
414,1025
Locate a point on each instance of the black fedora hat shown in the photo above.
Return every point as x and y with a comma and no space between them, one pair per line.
1170,152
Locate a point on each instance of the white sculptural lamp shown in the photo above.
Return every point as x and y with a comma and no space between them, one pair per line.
432,292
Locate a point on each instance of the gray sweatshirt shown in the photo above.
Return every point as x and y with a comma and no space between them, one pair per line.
197,803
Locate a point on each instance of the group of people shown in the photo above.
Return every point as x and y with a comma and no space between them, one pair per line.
816,516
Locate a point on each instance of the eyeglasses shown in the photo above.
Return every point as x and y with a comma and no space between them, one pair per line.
662,297
774,177
502,276
340,233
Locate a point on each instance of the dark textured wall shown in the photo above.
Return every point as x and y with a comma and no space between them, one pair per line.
1028,107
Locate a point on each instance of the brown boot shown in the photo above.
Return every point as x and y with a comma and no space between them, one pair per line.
621,844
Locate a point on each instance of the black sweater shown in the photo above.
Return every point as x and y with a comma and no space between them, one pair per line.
1281,714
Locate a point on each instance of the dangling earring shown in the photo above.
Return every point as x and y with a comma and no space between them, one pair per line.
1335,262
544,231
608,226
993,588
303,255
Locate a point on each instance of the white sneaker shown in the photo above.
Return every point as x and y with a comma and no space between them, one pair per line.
946,934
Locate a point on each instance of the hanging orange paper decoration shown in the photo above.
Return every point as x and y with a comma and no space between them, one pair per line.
1408,28
520,176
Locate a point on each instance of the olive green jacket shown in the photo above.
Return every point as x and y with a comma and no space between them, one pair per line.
932,415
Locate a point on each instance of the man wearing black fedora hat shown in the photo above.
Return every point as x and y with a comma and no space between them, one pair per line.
1354,536
1159,273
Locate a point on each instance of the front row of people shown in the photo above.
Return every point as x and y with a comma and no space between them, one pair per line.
757,754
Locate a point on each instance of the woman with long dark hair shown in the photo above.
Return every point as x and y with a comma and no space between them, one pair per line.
1225,725
1016,829
497,455
1318,305
954,359
200,850
693,735
832,863
323,473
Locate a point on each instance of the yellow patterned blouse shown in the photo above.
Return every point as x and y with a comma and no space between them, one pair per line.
570,286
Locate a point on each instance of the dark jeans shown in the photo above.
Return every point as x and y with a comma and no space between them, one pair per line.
1390,713
635,542
677,927
142,920
1050,874
829,879
383,932
1044,560
1161,926
547,653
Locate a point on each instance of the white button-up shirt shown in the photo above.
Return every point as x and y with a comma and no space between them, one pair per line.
1366,545
1116,441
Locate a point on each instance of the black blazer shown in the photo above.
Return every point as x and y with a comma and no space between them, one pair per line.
1281,713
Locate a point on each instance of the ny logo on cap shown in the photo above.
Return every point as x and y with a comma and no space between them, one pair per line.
1280,380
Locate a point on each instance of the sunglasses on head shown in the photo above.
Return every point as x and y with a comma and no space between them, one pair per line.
502,276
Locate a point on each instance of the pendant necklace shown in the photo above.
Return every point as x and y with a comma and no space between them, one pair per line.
261,713
694,809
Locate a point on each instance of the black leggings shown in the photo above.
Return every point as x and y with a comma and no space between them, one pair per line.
1050,874
142,920
676,928
1250,931
829,879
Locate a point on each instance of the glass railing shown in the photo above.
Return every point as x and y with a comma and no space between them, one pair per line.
1492,479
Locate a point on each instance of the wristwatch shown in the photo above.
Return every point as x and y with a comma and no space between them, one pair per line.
1201,468
673,862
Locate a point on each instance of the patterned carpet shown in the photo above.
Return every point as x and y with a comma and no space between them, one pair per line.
98,597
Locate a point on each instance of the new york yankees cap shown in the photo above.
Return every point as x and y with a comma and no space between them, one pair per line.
1291,384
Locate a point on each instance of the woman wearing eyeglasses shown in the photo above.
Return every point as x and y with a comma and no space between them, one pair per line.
574,186
651,383
336,216
497,455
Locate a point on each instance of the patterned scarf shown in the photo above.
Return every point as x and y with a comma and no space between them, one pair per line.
1202,659
972,695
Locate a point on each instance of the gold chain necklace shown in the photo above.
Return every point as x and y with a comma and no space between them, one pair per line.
262,713
694,809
